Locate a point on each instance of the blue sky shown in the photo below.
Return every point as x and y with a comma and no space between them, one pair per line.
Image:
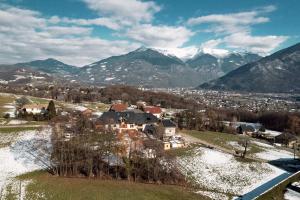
80,32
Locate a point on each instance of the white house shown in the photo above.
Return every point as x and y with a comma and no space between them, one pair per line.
34,108
169,127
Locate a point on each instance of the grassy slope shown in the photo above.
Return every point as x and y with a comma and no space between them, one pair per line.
4,99
8,129
9,134
222,139
75,188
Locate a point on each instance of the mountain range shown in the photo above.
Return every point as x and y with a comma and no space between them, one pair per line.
154,68
279,72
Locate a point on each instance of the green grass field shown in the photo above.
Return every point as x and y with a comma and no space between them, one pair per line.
222,139
38,100
51,187
101,107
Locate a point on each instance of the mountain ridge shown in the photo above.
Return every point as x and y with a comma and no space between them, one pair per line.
278,72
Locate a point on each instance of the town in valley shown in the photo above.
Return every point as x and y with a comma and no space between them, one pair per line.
149,99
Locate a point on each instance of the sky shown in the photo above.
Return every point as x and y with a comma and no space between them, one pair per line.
80,32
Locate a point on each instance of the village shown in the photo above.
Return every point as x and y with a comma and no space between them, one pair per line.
149,129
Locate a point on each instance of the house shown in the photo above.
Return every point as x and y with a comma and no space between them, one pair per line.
87,112
141,104
131,140
169,127
126,120
245,128
119,107
34,108
176,141
154,110
167,145
287,139
268,135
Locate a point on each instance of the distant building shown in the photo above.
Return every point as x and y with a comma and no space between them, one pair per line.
287,139
34,108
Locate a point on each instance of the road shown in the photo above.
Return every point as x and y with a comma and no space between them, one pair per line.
264,187
257,191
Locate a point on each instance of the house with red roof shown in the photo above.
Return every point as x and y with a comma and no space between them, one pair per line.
154,110
118,107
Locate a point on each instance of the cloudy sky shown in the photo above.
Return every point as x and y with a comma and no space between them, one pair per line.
80,32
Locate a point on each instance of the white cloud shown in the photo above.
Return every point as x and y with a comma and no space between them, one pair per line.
25,35
73,30
233,22
211,44
235,29
183,53
127,12
102,21
211,47
160,36
258,44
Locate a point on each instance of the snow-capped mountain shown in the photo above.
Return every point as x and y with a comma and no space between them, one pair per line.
216,65
278,72
144,66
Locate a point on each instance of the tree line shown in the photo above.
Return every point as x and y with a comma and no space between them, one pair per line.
90,152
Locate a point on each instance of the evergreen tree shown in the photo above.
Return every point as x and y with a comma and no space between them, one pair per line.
51,110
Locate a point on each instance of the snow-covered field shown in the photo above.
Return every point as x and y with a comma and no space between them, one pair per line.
291,195
24,154
272,153
216,171
11,109
235,145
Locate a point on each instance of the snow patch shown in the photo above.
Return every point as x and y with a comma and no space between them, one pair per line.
291,195
109,78
23,156
218,171
213,195
16,122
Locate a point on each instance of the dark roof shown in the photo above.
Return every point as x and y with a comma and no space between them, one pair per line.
129,116
150,129
248,128
286,136
168,123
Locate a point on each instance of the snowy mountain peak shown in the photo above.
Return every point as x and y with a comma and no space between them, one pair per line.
141,49
218,53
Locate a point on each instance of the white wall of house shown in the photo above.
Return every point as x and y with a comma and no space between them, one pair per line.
170,131
158,115
33,110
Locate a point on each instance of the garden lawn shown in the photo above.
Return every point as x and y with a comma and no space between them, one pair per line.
50,187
